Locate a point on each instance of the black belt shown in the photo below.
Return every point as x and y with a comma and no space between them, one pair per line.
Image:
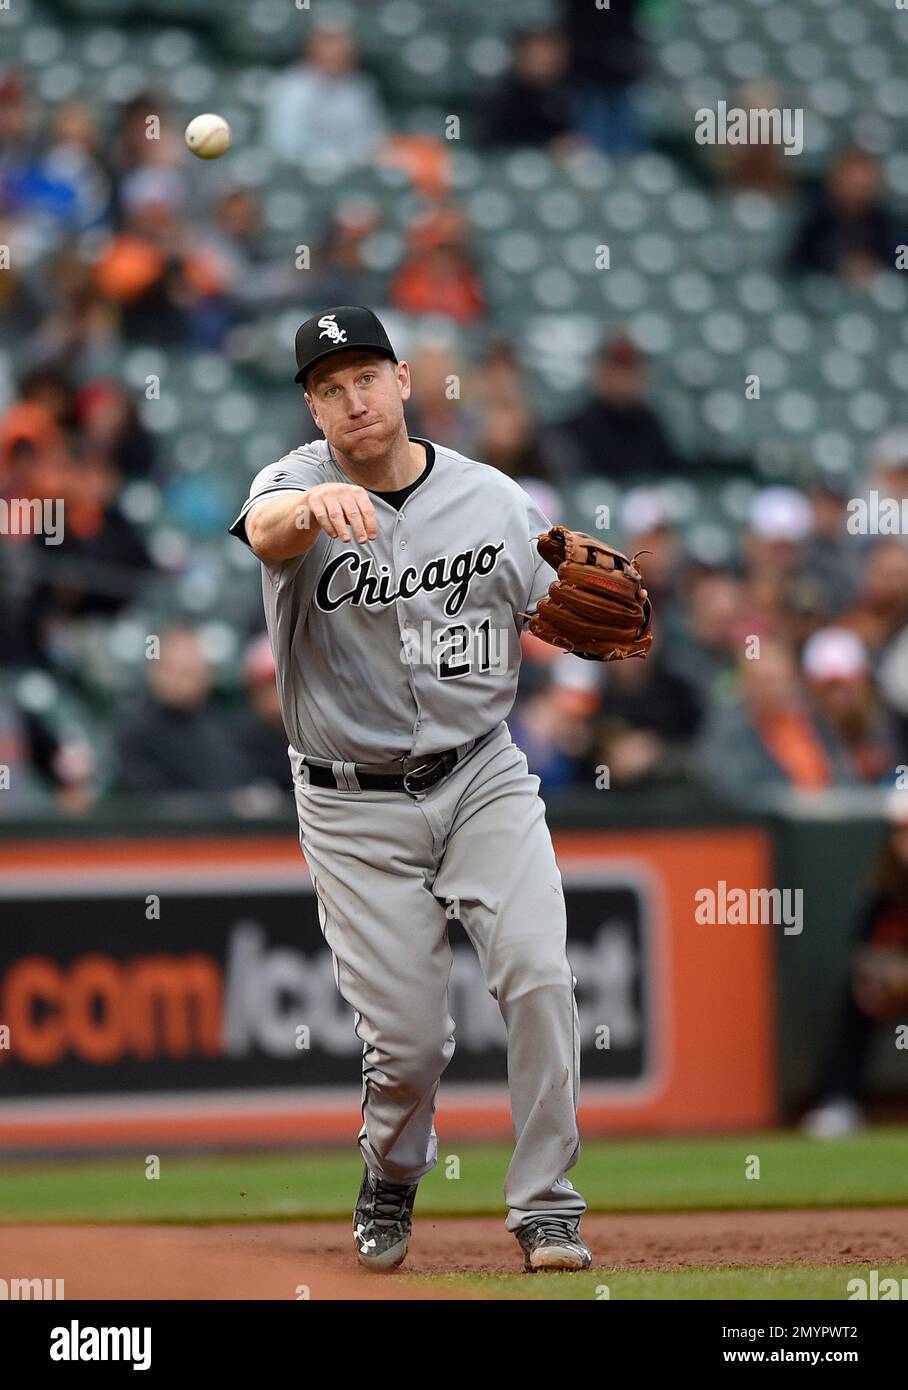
407,774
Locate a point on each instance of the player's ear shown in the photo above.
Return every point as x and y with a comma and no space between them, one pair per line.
312,408
403,380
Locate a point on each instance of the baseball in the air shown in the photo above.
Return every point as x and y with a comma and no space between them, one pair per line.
208,136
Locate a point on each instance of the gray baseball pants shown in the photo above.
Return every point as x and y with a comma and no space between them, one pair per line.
384,866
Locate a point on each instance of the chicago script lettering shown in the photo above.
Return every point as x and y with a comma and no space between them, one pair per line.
373,586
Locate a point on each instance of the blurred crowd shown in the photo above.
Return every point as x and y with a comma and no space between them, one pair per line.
783,666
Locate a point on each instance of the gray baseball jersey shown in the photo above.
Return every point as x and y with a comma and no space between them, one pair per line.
408,643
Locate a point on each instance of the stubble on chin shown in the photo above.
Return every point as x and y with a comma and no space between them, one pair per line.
370,448
364,454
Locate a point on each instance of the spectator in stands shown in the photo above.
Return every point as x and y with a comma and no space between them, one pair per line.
145,134
338,274
649,717
779,526
837,671
100,561
75,159
34,458
831,558
139,271
760,166
606,59
20,206
499,376
440,407
108,419
29,435
40,205
79,447
41,763
18,135
509,441
324,104
439,276
648,527
51,388
532,104
509,436
881,925
767,737
706,648
80,326
261,740
30,439
253,279
616,434
553,721
423,158
177,741
20,305
168,285
881,610
101,414
847,230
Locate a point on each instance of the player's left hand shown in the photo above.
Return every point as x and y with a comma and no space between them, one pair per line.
597,607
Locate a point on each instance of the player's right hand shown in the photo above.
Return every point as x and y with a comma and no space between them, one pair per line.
339,508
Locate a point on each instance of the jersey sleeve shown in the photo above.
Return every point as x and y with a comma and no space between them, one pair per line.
279,479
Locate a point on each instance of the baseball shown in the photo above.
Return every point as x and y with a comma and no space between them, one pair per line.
208,136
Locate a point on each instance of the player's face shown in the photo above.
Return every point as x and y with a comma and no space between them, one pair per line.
358,404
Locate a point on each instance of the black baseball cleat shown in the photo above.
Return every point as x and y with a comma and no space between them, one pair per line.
382,1222
553,1242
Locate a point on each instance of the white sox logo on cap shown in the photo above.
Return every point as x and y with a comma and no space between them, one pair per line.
346,326
331,330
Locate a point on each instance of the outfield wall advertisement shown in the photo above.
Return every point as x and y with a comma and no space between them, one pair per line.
181,992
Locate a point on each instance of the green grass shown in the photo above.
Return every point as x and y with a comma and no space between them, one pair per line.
640,1175
717,1283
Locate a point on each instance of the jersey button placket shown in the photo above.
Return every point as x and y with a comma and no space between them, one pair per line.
406,623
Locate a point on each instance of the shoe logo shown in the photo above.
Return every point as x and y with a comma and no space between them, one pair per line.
331,329
364,1244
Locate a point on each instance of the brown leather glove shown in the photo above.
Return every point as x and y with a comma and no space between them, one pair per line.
594,608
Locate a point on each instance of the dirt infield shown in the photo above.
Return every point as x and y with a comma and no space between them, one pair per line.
271,1260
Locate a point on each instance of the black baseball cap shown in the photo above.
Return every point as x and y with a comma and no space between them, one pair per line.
342,329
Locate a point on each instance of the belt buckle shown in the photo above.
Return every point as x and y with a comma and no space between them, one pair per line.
422,770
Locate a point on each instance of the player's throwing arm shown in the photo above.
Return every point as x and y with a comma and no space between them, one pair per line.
288,526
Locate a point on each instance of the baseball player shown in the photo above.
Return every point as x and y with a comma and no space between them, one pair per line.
397,576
